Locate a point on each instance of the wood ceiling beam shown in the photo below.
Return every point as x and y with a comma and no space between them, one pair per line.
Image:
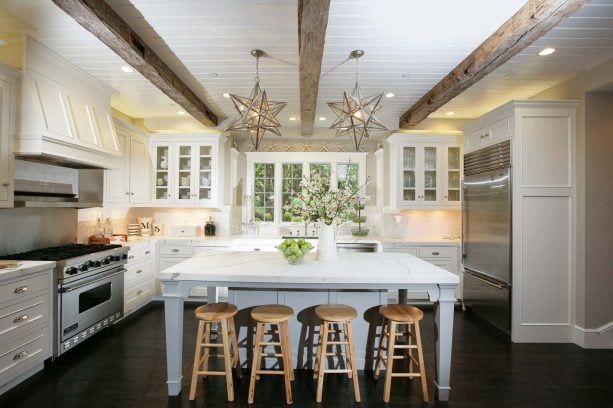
312,24
102,21
531,22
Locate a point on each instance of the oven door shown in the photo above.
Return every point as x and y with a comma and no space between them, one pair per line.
84,303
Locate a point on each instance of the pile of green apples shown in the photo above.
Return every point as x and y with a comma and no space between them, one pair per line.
294,249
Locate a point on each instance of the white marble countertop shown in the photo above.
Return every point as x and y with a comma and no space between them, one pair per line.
377,269
26,267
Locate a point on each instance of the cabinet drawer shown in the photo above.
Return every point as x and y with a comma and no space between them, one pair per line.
138,253
139,272
476,139
23,353
21,289
202,249
176,250
22,316
139,295
400,249
437,252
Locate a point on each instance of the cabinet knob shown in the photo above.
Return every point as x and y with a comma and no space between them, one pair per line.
127,193
436,253
175,250
20,355
139,271
20,319
21,289
131,193
6,184
147,252
140,292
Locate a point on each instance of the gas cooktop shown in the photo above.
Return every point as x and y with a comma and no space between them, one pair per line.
59,253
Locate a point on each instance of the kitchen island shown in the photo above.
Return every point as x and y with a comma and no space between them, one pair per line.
268,272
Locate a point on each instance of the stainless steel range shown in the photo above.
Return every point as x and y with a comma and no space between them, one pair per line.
89,291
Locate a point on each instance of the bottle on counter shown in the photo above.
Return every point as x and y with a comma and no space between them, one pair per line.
108,228
99,228
209,228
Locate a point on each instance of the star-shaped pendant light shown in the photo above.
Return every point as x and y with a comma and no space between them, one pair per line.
356,113
256,114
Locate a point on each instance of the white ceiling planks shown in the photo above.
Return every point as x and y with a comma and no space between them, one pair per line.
582,41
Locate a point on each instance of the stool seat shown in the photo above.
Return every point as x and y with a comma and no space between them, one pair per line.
401,313
272,313
214,312
336,313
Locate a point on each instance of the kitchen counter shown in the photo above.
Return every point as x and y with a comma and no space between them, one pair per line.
352,275
26,267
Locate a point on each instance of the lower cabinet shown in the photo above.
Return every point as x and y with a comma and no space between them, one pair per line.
140,277
25,326
446,257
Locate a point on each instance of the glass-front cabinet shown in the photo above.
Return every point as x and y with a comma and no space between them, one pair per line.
425,170
274,179
186,171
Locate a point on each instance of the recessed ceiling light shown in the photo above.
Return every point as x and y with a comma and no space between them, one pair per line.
292,118
127,69
181,113
389,95
506,76
225,95
2,42
322,118
450,113
547,51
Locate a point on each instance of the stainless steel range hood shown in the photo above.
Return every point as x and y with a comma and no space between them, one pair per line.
45,194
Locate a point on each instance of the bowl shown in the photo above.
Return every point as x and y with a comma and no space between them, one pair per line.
359,232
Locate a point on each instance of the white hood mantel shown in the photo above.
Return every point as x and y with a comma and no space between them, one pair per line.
65,114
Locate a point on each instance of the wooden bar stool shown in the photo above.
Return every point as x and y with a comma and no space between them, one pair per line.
221,314
273,315
331,315
393,316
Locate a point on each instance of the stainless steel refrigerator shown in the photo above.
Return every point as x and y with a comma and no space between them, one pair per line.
486,234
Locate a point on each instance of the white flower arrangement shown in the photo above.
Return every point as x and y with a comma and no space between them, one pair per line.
317,202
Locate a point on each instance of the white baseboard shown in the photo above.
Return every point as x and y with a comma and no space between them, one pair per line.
600,338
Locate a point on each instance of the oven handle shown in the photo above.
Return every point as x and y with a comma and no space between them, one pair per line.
72,288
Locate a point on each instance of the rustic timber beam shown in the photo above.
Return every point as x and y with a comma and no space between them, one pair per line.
312,24
102,21
531,22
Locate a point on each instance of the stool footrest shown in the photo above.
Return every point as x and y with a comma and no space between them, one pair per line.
269,343
220,373
404,346
334,343
337,371
211,345
405,375
273,372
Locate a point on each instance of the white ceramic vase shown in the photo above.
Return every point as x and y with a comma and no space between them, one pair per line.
326,244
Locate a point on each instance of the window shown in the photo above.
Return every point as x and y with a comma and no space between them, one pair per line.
347,175
264,189
323,169
290,188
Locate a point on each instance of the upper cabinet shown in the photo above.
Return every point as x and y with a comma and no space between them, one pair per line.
129,184
7,86
64,113
425,170
273,179
187,170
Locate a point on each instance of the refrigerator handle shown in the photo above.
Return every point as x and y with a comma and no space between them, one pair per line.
474,275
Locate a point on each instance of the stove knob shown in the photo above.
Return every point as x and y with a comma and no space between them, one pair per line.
116,258
105,261
97,264
83,267
90,264
124,256
72,270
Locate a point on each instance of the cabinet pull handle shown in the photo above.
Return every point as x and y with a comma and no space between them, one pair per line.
131,193
436,253
20,319
127,193
21,289
139,271
256,249
147,252
6,184
140,292
131,257
20,355
175,250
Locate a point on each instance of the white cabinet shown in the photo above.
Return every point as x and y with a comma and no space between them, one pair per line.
446,257
6,156
140,277
542,139
425,170
187,170
25,325
129,184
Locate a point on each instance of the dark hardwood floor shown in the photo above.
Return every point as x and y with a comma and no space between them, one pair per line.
125,367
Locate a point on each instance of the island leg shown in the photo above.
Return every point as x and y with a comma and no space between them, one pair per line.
173,314
443,319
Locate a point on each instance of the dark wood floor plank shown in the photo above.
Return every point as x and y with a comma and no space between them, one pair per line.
125,367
